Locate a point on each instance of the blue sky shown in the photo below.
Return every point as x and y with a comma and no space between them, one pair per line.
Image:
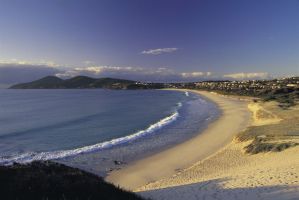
158,40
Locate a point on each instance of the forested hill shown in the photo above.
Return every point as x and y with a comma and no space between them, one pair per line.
53,82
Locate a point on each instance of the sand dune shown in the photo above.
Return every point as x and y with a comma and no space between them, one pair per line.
261,116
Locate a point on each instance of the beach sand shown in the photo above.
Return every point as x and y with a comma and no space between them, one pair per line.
232,174
235,117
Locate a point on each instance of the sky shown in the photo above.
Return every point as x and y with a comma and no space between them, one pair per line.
149,40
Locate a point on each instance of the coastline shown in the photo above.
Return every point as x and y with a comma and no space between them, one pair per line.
233,174
234,118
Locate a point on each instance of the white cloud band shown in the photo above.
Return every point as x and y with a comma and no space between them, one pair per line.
159,51
196,74
253,75
22,71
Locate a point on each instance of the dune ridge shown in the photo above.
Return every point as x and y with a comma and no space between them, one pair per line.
261,116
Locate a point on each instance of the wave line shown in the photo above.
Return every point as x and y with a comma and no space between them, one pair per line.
51,155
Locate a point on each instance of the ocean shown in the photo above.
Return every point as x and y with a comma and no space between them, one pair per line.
95,129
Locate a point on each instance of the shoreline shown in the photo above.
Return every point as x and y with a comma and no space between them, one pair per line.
233,173
234,118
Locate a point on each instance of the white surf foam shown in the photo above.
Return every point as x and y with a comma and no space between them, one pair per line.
33,156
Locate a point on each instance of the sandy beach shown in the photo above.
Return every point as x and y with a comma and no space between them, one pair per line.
235,117
232,174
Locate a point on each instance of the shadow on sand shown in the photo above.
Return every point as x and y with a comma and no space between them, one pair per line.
215,190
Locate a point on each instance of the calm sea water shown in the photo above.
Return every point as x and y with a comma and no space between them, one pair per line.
88,128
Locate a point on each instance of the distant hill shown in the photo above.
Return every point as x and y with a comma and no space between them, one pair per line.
46,82
53,82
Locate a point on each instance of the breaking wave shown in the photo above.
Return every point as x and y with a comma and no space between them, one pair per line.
51,155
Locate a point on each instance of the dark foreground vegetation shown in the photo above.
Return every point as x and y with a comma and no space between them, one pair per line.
53,181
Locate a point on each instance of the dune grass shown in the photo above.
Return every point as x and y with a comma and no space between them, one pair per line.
273,137
259,145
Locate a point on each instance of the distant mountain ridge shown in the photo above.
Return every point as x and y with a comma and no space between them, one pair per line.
53,82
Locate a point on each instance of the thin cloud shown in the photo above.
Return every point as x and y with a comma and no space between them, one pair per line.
159,51
244,76
11,73
196,74
98,70
88,62
115,71
161,74
39,63
24,71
